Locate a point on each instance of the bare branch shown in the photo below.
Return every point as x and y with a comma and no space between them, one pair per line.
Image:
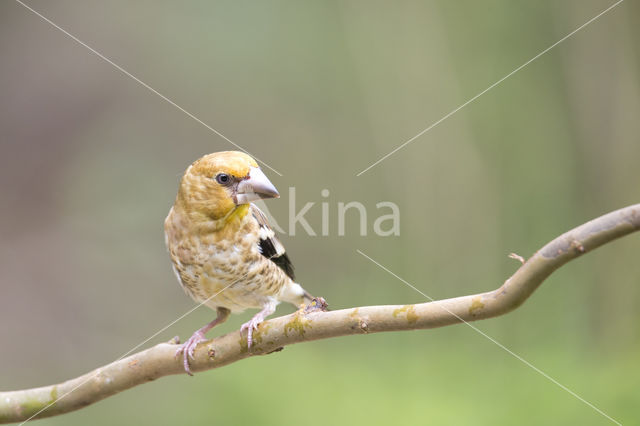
310,325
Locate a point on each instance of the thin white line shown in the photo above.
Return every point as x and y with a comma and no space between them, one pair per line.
499,344
133,349
491,87
128,74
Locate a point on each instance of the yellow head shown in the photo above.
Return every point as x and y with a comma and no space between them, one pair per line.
216,184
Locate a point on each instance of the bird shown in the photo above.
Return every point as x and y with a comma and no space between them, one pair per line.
224,253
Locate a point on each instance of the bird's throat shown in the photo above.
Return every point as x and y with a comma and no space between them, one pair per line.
238,213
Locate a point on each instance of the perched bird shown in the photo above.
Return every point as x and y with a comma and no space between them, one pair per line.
224,253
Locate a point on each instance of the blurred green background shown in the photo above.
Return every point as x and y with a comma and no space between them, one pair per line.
90,160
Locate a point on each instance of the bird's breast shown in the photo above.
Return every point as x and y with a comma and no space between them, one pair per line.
224,268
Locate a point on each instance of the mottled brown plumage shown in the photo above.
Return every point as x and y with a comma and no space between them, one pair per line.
224,253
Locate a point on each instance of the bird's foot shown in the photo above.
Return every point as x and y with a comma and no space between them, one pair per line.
251,326
187,349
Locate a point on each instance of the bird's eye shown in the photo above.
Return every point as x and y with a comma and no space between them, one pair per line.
223,178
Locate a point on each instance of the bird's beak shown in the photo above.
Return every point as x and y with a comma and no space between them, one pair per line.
255,187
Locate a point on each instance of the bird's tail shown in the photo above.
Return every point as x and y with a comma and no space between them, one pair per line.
296,295
307,297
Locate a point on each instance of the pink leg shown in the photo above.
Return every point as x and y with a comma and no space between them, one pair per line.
190,345
253,323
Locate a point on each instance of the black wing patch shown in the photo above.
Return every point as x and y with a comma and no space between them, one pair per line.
270,246
268,250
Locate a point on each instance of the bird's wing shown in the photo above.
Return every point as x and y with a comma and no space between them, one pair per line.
269,245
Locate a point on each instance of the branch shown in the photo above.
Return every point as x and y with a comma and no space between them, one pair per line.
303,326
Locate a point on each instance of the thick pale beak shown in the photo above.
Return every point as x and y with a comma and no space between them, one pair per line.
255,187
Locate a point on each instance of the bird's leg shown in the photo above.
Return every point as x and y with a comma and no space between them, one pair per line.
252,324
190,345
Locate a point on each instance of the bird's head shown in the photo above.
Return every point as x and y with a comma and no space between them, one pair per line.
215,185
